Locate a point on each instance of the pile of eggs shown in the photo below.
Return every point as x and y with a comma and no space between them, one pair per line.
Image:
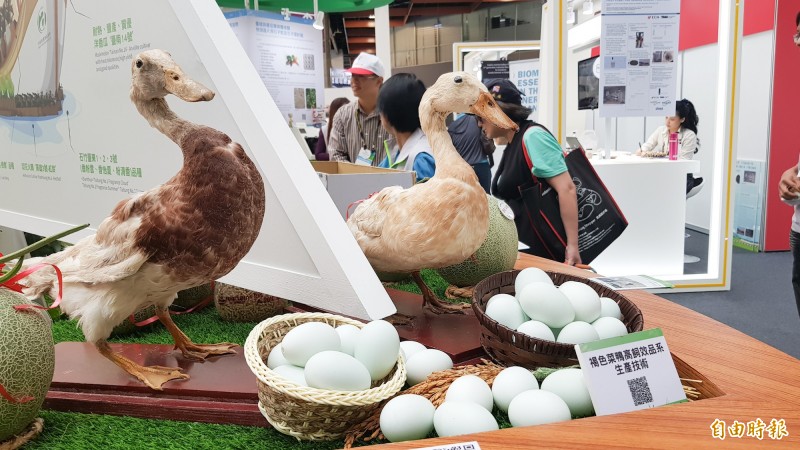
344,358
572,313
469,401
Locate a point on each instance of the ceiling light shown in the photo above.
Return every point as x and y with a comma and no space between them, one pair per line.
319,21
319,18
570,15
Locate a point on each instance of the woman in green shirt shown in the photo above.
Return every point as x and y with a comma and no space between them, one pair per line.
514,172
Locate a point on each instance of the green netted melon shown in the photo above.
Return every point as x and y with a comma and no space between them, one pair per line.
235,304
128,326
27,361
498,252
187,299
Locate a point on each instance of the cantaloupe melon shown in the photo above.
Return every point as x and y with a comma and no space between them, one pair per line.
235,304
189,298
27,361
498,252
388,277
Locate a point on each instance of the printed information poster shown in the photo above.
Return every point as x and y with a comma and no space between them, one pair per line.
749,204
638,50
525,76
72,144
287,54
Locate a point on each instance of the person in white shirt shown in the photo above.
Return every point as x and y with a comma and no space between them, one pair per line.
684,122
789,188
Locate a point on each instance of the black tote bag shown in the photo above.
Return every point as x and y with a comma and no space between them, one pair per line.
600,221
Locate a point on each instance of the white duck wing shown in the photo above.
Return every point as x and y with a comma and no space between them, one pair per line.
112,253
369,217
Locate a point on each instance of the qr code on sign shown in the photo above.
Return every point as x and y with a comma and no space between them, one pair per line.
640,391
308,61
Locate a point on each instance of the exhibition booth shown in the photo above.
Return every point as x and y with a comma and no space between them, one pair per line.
356,306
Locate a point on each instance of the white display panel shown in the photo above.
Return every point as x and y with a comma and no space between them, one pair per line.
287,55
71,161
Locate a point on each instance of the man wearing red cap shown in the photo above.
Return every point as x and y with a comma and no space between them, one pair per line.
357,135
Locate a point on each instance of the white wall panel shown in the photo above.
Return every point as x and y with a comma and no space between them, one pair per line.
754,110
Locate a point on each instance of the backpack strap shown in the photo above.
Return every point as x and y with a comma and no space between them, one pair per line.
528,159
525,150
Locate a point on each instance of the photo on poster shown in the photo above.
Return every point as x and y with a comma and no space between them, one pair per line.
299,98
658,56
669,56
639,41
308,61
614,95
644,62
613,62
311,98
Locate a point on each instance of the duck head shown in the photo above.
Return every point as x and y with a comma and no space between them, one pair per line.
461,92
155,74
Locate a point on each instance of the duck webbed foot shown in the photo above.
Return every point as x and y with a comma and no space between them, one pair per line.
432,303
190,350
153,376
398,319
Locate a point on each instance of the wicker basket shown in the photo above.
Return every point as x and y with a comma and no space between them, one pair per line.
509,347
305,412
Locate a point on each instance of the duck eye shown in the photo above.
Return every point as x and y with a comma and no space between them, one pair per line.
458,79
139,63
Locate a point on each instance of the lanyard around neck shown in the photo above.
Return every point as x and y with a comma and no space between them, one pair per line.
361,128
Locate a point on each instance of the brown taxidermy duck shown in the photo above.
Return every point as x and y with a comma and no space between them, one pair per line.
444,220
189,231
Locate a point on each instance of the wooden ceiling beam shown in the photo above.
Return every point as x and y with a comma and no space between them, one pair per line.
350,24
433,11
355,23
408,13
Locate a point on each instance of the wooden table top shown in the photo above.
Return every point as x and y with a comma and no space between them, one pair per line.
755,380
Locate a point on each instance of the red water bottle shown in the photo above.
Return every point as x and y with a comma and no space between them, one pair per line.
673,146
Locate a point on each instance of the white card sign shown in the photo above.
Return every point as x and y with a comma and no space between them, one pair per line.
629,373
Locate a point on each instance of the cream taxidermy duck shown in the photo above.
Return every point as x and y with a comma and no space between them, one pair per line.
189,231
444,220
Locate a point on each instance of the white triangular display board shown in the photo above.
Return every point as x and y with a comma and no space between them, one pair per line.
69,161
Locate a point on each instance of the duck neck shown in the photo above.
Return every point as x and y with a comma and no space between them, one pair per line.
449,162
157,112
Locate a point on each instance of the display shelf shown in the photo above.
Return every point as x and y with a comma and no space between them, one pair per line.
747,379
743,379
221,389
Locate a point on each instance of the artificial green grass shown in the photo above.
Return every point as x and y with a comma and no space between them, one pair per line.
72,431
435,282
69,431
201,326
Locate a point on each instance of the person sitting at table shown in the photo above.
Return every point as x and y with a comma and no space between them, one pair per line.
684,122
398,106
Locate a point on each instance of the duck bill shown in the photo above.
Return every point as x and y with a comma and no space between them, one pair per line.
488,110
183,87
